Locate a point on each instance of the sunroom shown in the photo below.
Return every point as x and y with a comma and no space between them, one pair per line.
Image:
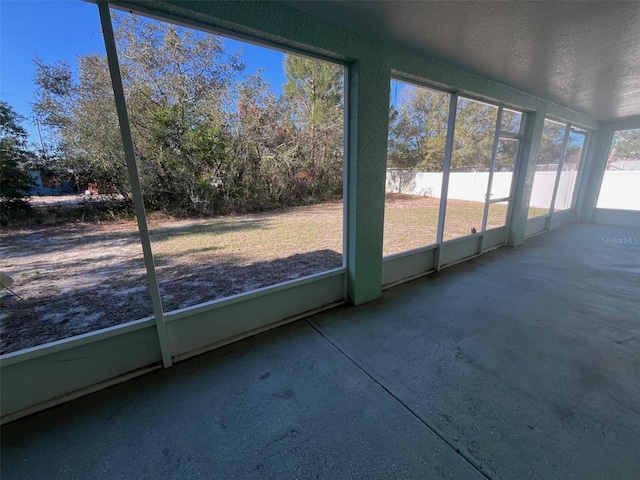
463,294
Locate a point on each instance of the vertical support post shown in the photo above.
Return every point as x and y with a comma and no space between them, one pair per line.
134,179
446,167
368,125
523,178
565,141
492,166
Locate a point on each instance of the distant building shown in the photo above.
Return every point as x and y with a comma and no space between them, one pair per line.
47,184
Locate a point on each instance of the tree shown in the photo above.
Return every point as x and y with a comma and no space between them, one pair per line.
15,180
418,129
474,135
314,92
551,145
627,144
506,155
207,138
176,82
263,149
179,84
81,113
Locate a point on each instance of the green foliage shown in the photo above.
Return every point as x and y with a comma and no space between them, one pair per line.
15,181
207,138
418,132
81,115
89,210
551,147
315,88
314,92
474,135
506,155
627,144
551,144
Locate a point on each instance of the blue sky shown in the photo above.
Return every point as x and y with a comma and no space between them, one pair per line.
57,30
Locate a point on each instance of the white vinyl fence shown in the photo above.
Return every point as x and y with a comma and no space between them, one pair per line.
619,189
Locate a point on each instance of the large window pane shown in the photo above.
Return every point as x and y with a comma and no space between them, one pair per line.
417,137
240,152
546,168
497,215
620,188
75,256
570,169
470,164
511,121
506,156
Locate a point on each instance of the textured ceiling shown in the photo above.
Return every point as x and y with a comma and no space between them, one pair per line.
581,54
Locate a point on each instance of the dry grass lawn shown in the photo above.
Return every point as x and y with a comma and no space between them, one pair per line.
80,277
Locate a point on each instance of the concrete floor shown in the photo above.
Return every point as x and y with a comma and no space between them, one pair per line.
521,364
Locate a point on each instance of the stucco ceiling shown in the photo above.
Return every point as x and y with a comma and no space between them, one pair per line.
581,54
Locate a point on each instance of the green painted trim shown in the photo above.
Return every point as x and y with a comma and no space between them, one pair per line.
280,26
263,22
560,218
69,343
213,305
624,218
404,266
38,407
255,331
536,226
627,123
53,377
459,249
493,238
369,86
46,375
205,328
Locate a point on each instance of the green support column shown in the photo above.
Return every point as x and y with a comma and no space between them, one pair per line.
367,130
524,178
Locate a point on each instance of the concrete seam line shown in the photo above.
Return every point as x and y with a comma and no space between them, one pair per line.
436,431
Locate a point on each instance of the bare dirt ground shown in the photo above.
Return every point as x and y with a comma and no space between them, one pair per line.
81,277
